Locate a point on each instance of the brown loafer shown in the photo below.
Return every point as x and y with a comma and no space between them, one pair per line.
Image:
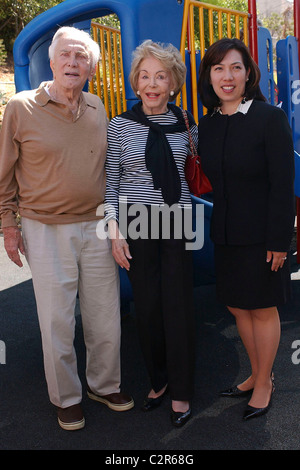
114,401
71,418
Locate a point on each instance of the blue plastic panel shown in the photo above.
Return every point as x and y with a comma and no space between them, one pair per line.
159,20
265,63
297,174
288,83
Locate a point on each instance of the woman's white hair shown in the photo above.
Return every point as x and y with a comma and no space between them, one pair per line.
167,54
77,34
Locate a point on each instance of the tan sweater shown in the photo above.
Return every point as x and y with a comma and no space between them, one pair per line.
52,162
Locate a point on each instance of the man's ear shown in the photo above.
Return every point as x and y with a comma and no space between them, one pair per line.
52,68
92,73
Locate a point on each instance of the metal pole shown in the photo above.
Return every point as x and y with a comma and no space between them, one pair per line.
253,29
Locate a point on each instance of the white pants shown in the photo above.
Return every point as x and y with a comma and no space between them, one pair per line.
65,259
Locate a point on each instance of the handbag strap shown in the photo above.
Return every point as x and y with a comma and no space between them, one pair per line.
192,145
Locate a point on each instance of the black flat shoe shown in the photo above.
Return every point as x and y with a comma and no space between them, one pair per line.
179,419
235,392
252,412
152,403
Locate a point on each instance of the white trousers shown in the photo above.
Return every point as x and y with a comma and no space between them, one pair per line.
65,259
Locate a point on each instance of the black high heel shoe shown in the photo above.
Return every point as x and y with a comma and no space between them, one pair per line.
152,403
179,419
252,412
235,392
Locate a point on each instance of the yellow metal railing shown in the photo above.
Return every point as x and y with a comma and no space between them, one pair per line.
108,83
202,25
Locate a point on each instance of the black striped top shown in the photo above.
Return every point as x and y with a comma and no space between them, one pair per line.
126,172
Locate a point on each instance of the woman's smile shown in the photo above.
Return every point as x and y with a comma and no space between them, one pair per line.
228,80
154,86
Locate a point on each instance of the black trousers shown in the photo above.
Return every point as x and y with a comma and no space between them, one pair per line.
162,281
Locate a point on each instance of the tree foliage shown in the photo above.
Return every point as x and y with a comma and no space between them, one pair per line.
109,20
280,26
15,14
239,5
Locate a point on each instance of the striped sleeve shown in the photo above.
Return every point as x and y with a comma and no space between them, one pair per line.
113,172
126,172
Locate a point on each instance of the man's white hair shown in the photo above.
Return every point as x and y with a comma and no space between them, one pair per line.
77,34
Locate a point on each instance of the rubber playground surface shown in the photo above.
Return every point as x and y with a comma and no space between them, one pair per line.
28,420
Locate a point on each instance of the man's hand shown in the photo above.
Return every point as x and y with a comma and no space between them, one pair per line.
13,243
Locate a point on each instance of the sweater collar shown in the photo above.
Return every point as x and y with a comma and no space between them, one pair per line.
43,97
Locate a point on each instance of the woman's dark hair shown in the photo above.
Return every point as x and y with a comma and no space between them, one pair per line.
213,56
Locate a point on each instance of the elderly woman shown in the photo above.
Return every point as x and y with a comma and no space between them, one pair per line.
147,149
53,150
246,149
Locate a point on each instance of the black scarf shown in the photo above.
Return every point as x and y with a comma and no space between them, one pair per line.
158,155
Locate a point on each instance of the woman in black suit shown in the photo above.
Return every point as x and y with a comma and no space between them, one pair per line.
247,153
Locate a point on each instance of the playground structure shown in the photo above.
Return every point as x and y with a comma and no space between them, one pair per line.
191,26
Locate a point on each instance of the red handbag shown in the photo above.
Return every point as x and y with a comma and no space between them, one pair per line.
196,179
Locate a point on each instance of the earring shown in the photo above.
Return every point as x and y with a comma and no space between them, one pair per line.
172,93
138,93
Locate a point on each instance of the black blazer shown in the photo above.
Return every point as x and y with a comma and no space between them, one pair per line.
249,159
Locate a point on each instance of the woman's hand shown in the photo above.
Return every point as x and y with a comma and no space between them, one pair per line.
277,257
120,247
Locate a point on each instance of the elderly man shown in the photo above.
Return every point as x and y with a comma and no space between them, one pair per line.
52,154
